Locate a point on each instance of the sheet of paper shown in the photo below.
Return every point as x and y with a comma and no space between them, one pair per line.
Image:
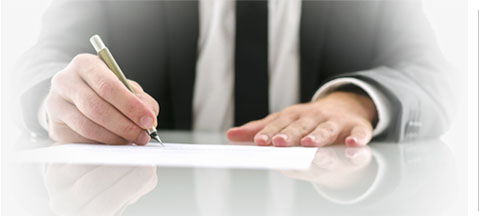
175,155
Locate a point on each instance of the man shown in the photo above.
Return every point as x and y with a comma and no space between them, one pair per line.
279,73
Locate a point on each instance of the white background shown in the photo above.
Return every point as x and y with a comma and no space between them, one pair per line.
20,24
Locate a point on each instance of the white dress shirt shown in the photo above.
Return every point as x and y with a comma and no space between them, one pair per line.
213,101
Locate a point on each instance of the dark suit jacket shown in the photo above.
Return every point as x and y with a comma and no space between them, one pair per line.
387,44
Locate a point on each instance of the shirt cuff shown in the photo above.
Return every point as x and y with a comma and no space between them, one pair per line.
42,116
381,102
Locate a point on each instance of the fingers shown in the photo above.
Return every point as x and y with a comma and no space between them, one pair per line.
292,134
266,135
331,132
150,102
360,135
325,134
246,132
70,121
101,112
308,132
146,98
281,131
90,93
98,76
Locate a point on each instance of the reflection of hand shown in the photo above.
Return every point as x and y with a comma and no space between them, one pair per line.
335,166
96,190
88,103
339,117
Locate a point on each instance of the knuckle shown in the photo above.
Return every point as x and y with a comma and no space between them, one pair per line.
273,115
83,59
105,88
85,63
270,117
331,126
328,129
95,108
306,123
289,110
58,79
304,127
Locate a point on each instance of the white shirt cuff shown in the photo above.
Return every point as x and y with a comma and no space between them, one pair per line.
42,116
381,102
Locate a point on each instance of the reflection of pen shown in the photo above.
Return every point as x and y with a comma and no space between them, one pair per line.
107,57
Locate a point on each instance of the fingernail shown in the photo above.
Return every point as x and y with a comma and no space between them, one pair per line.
277,140
283,136
352,141
143,138
309,140
312,138
264,138
146,122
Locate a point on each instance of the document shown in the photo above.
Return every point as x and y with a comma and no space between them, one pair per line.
174,155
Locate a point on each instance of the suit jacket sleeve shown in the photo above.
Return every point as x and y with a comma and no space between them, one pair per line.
411,72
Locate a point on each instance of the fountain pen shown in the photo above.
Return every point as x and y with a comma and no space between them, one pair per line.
104,53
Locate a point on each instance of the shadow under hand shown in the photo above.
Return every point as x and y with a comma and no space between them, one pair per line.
96,190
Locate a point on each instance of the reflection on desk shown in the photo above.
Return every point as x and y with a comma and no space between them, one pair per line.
381,179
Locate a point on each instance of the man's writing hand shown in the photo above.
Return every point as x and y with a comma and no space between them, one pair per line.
339,117
87,103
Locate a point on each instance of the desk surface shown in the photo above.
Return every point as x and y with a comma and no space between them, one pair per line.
418,178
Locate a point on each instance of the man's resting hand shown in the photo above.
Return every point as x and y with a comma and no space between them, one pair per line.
88,103
339,117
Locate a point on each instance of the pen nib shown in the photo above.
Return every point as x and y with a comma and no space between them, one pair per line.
155,136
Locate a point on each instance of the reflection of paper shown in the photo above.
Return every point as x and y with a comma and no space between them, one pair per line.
176,155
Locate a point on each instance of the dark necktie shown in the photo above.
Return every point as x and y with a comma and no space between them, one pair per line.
251,67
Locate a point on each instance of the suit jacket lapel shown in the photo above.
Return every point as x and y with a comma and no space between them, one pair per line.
182,30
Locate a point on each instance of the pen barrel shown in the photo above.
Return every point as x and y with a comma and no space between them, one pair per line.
104,53
109,60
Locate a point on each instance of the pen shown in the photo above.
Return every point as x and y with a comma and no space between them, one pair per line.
107,57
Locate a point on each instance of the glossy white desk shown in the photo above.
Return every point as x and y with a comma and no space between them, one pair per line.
382,179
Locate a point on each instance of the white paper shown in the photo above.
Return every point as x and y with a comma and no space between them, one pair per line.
175,155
